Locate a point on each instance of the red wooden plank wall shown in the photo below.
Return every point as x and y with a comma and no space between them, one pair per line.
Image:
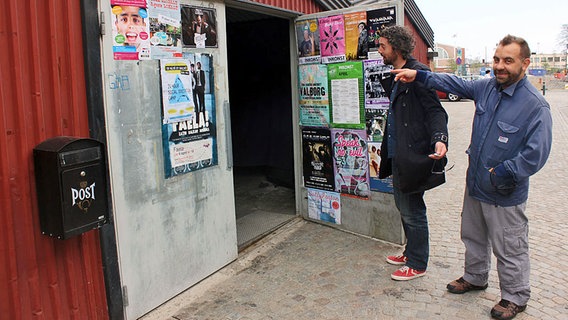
42,95
304,6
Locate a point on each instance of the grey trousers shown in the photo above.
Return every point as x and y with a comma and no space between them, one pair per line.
505,229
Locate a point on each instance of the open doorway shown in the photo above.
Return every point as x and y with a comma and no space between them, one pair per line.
260,97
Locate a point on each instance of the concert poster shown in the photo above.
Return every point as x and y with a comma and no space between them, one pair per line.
332,39
308,41
314,95
317,158
356,37
350,161
324,206
381,185
377,20
347,104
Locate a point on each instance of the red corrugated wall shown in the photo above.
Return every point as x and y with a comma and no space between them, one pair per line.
304,6
421,48
42,95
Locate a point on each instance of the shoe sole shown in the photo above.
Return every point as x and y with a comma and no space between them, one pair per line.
395,263
397,278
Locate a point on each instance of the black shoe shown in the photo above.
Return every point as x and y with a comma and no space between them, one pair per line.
506,310
460,286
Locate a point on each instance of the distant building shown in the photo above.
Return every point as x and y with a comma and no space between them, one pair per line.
447,59
551,62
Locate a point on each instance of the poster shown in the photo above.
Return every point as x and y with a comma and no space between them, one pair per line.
350,160
317,158
332,39
356,38
375,95
130,30
382,185
346,84
314,100
376,21
308,40
165,29
324,206
199,26
190,141
177,77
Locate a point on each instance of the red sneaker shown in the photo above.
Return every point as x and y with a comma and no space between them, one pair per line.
397,260
406,273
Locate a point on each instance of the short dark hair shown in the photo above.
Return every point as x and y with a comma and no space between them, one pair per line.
509,39
400,38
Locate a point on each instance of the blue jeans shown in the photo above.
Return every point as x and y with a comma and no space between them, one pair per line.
415,224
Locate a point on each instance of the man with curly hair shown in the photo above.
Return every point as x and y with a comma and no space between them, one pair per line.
413,149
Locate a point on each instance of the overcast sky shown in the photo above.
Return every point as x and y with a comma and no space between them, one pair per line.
478,25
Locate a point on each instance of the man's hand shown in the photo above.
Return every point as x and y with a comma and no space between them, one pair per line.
404,75
439,152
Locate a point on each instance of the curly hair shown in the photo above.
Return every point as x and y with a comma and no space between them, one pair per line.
509,39
400,38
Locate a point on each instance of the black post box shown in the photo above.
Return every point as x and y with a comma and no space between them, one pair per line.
71,186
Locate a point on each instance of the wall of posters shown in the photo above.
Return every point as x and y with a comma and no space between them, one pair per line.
317,158
324,206
307,35
350,161
346,84
130,30
199,25
314,100
332,39
189,124
165,28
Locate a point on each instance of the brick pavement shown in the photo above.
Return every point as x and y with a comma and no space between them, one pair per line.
306,270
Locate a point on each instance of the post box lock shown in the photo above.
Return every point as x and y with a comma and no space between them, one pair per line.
71,186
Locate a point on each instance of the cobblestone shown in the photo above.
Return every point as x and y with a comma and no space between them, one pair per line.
305,270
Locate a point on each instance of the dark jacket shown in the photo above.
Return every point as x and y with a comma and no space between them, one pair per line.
420,121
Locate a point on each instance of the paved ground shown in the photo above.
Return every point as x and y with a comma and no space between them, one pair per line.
306,270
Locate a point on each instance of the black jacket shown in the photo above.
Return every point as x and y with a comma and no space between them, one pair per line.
420,121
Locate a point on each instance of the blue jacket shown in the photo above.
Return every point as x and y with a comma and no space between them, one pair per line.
511,135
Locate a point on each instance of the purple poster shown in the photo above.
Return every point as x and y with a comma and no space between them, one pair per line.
350,162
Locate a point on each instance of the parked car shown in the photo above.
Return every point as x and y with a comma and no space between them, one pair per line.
450,96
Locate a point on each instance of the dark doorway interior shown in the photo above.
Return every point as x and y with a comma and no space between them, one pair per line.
261,122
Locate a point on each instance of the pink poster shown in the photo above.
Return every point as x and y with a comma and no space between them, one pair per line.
332,39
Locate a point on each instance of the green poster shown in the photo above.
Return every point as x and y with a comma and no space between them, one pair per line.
346,99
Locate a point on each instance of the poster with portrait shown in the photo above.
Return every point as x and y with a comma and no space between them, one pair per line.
317,158
308,41
350,162
314,99
377,20
356,42
332,39
381,185
324,206
130,30
346,84
199,27
375,71
190,142
165,29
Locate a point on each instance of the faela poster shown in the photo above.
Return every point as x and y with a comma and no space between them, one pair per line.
324,206
317,158
308,40
130,30
350,162
314,95
189,140
332,39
